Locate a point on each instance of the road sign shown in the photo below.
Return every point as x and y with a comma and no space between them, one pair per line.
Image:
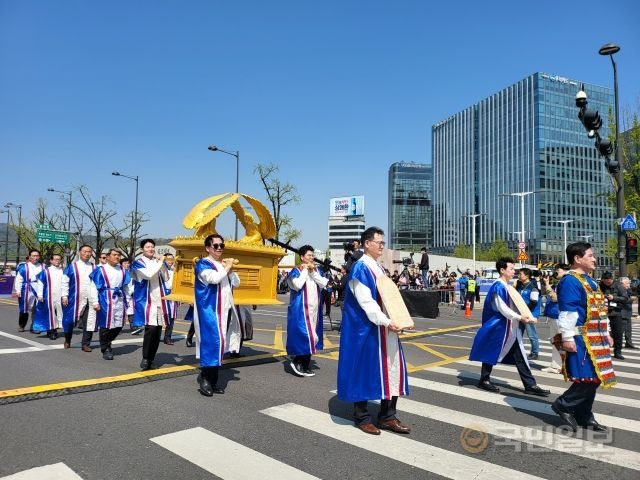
522,246
52,236
628,223
522,256
44,226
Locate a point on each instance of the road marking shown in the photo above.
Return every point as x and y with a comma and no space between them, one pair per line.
426,366
503,381
430,350
515,403
20,350
411,452
225,458
41,346
328,343
626,353
278,344
616,363
56,471
439,330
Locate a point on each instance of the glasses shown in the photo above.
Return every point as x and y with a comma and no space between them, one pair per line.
104,257
379,242
217,246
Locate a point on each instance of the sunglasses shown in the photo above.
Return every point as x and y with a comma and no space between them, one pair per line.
217,246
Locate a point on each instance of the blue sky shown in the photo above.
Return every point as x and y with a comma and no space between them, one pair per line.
332,91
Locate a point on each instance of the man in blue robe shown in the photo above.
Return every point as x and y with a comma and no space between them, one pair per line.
499,339
77,310
48,287
304,314
371,365
24,288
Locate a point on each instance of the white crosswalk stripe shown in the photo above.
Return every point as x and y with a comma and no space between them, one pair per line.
411,452
225,458
616,363
56,471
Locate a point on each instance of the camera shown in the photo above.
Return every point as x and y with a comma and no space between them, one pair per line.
406,261
349,246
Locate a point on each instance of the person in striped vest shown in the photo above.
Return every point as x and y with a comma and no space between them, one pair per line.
48,287
108,297
584,337
304,314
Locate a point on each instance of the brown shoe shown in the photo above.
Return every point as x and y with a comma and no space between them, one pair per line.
67,345
86,348
369,428
168,341
394,425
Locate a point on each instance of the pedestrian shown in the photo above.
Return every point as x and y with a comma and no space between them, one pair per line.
148,272
625,313
551,312
109,285
170,306
214,307
24,288
371,365
424,266
304,314
77,310
499,339
616,297
48,286
584,329
530,292
627,322
125,263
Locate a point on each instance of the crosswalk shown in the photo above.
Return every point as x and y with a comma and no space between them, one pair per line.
481,433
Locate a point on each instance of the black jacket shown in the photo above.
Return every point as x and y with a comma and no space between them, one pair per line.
621,300
424,261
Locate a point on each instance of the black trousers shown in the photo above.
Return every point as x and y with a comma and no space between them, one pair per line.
327,302
151,341
108,335
191,332
617,330
87,335
627,332
23,319
471,298
578,399
303,360
523,370
211,374
387,411
168,331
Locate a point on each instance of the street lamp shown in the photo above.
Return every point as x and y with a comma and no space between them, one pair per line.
6,238
610,49
521,195
564,227
134,223
214,148
586,237
473,217
19,207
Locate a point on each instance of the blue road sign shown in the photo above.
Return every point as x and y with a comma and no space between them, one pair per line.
628,223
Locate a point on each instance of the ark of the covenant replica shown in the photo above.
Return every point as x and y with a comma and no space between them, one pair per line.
258,263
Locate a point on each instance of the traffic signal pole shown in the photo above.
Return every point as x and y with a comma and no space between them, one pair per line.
620,210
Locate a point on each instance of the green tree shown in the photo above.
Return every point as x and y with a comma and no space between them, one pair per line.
497,249
463,251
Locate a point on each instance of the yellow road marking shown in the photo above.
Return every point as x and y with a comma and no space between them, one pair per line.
430,350
328,343
277,338
440,330
439,363
447,346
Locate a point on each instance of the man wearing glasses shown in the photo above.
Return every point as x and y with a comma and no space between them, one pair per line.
214,309
371,365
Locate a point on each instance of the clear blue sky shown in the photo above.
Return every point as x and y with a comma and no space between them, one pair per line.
332,91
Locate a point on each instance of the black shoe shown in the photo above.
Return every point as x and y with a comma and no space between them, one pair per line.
107,355
536,390
307,372
21,329
532,356
297,369
488,386
618,356
205,387
218,390
235,355
189,342
146,365
631,346
593,425
52,336
566,417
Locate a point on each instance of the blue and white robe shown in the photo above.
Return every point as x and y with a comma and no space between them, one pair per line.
214,307
24,285
168,306
499,330
108,289
371,365
48,314
149,309
304,314
76,290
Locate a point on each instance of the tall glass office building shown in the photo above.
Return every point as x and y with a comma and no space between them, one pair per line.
410,216
525,138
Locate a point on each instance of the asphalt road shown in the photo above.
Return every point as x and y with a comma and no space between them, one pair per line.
271,424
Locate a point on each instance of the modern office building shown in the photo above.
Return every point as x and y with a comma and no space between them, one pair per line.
410,216
346,224
525,138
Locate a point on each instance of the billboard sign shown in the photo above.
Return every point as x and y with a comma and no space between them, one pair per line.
346,206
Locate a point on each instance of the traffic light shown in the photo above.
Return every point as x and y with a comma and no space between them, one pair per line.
632,250
592,122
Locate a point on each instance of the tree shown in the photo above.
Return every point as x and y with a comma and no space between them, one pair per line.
98,213
26,232
279,195
127,244
463,251
496,250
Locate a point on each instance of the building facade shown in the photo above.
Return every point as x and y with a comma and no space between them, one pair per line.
410,215
525,138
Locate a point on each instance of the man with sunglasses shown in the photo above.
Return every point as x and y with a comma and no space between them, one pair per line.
371,365
148,273
214,309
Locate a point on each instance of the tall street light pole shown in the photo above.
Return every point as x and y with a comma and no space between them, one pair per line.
564,235
521,195
609,50
70,193
134,220
236,154
473,217
6,238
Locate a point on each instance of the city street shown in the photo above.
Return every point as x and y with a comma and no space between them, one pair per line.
72,415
